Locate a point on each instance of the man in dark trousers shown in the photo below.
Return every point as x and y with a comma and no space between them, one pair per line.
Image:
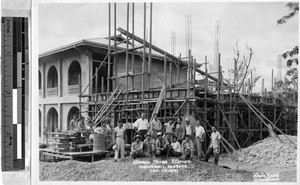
214,145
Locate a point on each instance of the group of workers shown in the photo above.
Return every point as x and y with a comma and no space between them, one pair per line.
171,139
154,139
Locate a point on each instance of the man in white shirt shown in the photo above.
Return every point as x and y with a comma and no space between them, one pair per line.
120,133
214,145
200,134
142,126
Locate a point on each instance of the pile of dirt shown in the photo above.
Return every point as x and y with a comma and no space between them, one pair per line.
273,151
107,170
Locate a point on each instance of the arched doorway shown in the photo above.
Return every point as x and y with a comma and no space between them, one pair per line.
73,111
74,73
40,123
52,77
52,120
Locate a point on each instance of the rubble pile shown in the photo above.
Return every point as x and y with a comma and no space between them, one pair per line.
107,170
272,151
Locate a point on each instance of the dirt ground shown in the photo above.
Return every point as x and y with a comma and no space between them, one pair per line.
107,170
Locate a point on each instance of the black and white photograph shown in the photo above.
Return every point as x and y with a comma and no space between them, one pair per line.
167,91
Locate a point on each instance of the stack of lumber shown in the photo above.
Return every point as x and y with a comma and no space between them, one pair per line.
272,151
62,141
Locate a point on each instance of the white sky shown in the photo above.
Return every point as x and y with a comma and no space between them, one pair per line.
253,24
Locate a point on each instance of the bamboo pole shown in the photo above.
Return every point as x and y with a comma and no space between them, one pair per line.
188,81
115,42
150,45
165,84
132,57
96,83
144,54
109,57
194,77
126,61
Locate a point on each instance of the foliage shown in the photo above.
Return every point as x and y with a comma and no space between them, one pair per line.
294,6
242,71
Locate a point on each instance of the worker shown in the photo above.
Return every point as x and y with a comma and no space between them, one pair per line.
149,145
176,145
155,126
169,127
179,130
81,125
73,123
187,148
45,133
200,135
109,139
214,145
137,147
120,143
161,145
142,126
189,129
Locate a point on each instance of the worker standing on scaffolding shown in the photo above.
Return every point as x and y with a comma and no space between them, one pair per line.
155,126
142,126
73,123
214,145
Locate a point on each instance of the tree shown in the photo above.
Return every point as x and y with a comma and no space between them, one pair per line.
242,70
292,55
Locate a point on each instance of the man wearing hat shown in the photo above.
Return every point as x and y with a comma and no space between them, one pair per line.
162,145
137,147
120,143
214,145
149,145
187,148
142,126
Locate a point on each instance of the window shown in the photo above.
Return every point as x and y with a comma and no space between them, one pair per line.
52,77
74,73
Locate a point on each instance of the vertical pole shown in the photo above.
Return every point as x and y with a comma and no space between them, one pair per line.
249,99
102,84
132,58
144,53
274,96
96,80
194,75
170,75
188,82
115,43
150,47
251,83
126,61
205,97
80,89
262,100
165,84
178,66
109,35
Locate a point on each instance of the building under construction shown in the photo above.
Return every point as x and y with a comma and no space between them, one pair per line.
122,75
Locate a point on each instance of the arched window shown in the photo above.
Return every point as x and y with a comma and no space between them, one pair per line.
74,73
52,120
52,77
40,80
74,111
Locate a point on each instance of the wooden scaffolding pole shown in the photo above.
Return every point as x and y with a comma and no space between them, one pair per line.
262,101
126,60
132,55
150,48
144,54
109,50
115,43
165,85
188,81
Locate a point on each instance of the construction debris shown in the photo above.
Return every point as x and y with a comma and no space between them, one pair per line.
83,171
272,151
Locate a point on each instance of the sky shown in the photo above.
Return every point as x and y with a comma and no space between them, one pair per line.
252,24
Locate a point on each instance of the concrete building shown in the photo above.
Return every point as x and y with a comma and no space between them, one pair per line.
66,71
